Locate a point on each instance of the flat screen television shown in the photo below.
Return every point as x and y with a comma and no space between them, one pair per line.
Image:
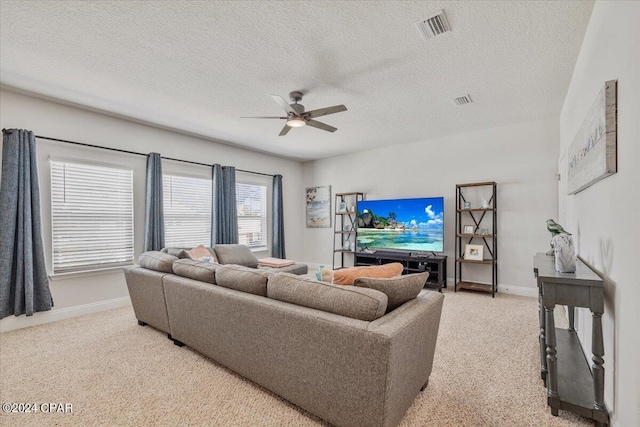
405,224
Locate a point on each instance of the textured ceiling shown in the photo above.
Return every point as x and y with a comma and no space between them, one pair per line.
199,66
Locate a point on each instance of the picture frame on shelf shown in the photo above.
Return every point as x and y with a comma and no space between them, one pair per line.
473,252
467,229
467,205
342,207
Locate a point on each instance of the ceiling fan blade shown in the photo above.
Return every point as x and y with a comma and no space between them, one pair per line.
261,117
285,130
320,125
280,100
325,111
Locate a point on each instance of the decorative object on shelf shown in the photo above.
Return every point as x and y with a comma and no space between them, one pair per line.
473,252
347,245
318,206
352,208
564,252
484,204
342,207
467,205
346,228
554,228
468,229
592,154
319,273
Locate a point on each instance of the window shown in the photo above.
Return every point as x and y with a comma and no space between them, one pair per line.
187,211
92,216
252,214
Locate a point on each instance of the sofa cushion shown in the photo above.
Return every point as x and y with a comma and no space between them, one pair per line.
346,276
157,261
235,254
398,289
243,279
196,270
357,303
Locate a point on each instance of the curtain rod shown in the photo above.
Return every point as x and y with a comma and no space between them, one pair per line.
140,154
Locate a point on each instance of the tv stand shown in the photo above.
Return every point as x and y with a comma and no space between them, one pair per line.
435,264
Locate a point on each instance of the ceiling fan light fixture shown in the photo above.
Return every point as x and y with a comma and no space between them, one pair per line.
296,122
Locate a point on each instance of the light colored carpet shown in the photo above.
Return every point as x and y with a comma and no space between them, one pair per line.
114,372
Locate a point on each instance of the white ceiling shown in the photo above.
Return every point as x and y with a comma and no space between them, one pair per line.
199,66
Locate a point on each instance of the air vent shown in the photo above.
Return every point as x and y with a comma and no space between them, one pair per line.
462,100
434,25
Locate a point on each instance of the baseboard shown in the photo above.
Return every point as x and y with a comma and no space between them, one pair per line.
525,291
18,322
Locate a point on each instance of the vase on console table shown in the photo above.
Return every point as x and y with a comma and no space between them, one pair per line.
564,252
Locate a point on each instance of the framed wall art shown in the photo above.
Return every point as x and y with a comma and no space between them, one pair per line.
318,203
592,155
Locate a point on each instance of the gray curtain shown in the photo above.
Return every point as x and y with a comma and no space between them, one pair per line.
154,211
224,215
24,285
277,229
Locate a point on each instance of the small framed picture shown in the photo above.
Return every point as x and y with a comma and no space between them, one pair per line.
467,205
342,207
473,252
467,229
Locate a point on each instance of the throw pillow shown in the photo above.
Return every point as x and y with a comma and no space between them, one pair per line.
398,289
235,254
177,252
200,253
346,276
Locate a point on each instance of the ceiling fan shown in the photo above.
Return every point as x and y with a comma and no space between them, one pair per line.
297,117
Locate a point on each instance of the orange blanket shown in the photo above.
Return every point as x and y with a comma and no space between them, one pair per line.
346,276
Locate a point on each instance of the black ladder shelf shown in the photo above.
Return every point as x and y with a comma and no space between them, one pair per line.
489,240
345,232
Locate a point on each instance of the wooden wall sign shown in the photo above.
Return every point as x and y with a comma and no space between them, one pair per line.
592,154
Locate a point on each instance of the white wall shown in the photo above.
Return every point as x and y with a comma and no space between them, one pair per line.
521,158
605,217
79,295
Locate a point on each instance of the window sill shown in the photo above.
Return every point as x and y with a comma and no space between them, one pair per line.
87,273
260,250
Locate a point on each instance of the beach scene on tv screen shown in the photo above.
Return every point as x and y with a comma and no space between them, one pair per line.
409,224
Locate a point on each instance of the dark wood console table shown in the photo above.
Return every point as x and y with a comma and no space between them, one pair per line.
563,366
436,265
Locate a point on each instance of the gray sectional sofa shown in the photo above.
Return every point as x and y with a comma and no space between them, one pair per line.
335,351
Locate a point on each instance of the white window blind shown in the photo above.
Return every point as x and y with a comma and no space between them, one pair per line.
187,211
92,216
252,214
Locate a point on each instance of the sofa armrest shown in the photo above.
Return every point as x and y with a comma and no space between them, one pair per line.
412,330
